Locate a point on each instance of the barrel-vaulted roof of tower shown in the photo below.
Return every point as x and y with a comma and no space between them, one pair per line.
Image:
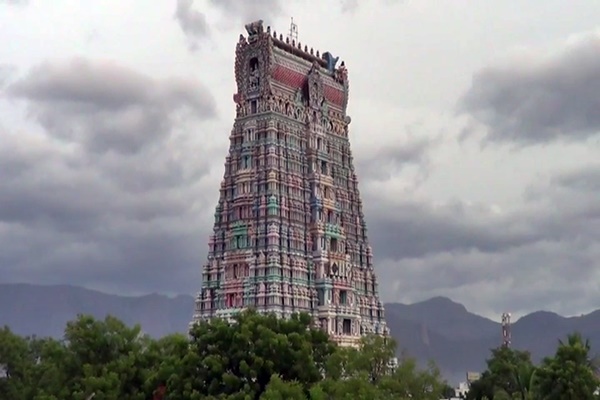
296,49
264,59
326,60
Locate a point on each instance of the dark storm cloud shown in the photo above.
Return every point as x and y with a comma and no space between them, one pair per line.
192,22
533,100
408,229
540,253
106,107
385,162
584,179
558,276
120,209
412,229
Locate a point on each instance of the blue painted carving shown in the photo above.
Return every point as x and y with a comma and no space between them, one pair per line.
330,60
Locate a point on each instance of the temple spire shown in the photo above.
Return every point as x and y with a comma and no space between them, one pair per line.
289,233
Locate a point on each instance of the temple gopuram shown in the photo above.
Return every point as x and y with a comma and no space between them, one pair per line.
289,232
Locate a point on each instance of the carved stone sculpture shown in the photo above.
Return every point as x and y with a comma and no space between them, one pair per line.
255,28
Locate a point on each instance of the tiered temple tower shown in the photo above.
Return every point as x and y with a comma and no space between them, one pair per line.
289,233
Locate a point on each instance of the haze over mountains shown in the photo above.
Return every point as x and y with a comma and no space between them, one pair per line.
437,329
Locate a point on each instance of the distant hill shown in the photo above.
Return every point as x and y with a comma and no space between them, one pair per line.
437,329
459,341
45,310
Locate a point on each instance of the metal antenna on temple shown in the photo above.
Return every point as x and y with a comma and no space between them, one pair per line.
293,35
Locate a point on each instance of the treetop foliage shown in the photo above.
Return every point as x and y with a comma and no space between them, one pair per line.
570,375
256,357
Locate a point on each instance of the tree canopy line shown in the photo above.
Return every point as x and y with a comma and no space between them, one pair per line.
260,357
257,357
571,374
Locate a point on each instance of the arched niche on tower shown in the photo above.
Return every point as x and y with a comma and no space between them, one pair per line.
253,62
253,75
333,269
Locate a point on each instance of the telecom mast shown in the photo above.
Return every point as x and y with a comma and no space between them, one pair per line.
293,34
506,334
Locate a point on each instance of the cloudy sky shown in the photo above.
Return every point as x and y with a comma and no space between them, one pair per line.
474,129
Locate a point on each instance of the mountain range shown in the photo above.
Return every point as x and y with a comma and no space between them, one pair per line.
436,329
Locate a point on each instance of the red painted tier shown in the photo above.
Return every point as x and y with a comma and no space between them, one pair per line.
296,80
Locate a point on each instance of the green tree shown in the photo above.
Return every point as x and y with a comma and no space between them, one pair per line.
509,371
105,358
356,387
366,373
277,389
483,388
242,357
570,374
163,361
409,382
256,357
17,363
371,358
447,391
49,372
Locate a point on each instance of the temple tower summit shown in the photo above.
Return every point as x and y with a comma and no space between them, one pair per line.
289,232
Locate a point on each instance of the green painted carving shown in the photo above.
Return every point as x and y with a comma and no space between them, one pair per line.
334,231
